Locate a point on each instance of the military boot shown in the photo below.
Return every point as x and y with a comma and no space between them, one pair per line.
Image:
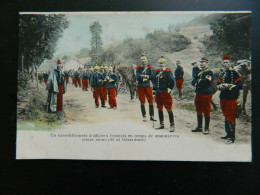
206,127
171,119
199,121
232,126
143,112
161,118
151,112
227,129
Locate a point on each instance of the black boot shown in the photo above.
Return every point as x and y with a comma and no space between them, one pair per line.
143,112
232,126
160,113
180,94
151,112
199,121
206,128
227,129
171,119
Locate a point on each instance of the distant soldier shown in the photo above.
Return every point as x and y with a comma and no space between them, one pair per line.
202,82
45,77
76,78
179,77
145,74
105,72
66,73
56,86
195,69
96,83
111,80
229,83
85,78
163,84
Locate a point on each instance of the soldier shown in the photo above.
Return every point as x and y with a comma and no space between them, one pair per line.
105,72
67,76
195,69
163,84
56,86
229,83
45,77
144,74
111,80
76,78
202,82
85,78
179,77
96,83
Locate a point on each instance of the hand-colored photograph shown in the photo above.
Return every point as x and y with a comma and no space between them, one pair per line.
150,86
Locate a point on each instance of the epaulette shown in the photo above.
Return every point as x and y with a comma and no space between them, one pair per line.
138,67
167,69
149,66
157,70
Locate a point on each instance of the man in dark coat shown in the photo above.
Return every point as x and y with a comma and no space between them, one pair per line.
229,83
179,77
163,84
202,82
145,74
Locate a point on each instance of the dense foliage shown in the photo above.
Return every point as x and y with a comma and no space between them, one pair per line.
231,35
38,36
153,45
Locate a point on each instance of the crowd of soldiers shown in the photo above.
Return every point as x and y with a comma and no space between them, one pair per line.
156,85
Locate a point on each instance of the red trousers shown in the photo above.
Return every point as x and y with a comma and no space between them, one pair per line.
84,84
163,99
202,103
229,109
179,83
112,97
97,92
145,92
67,79
45,80
104,88
60,98
77,82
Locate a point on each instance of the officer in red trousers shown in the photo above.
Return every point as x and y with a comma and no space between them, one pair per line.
45,77
145,74
96,83
179,77
202,82
56,86
229,84
85,78
111,80
163,84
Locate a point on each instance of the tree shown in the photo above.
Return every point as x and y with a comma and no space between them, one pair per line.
38,36
65,57
83,53
232,33
96,41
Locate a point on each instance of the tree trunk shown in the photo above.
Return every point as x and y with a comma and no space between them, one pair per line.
37,77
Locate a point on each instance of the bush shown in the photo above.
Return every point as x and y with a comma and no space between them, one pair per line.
36,109
22,85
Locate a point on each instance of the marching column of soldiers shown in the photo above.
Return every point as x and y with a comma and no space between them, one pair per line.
156,85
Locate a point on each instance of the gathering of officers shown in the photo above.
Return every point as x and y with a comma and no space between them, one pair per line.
155,85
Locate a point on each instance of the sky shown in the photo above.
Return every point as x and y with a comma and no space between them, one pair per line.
116,26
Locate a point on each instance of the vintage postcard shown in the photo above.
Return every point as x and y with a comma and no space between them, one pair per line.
168,86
